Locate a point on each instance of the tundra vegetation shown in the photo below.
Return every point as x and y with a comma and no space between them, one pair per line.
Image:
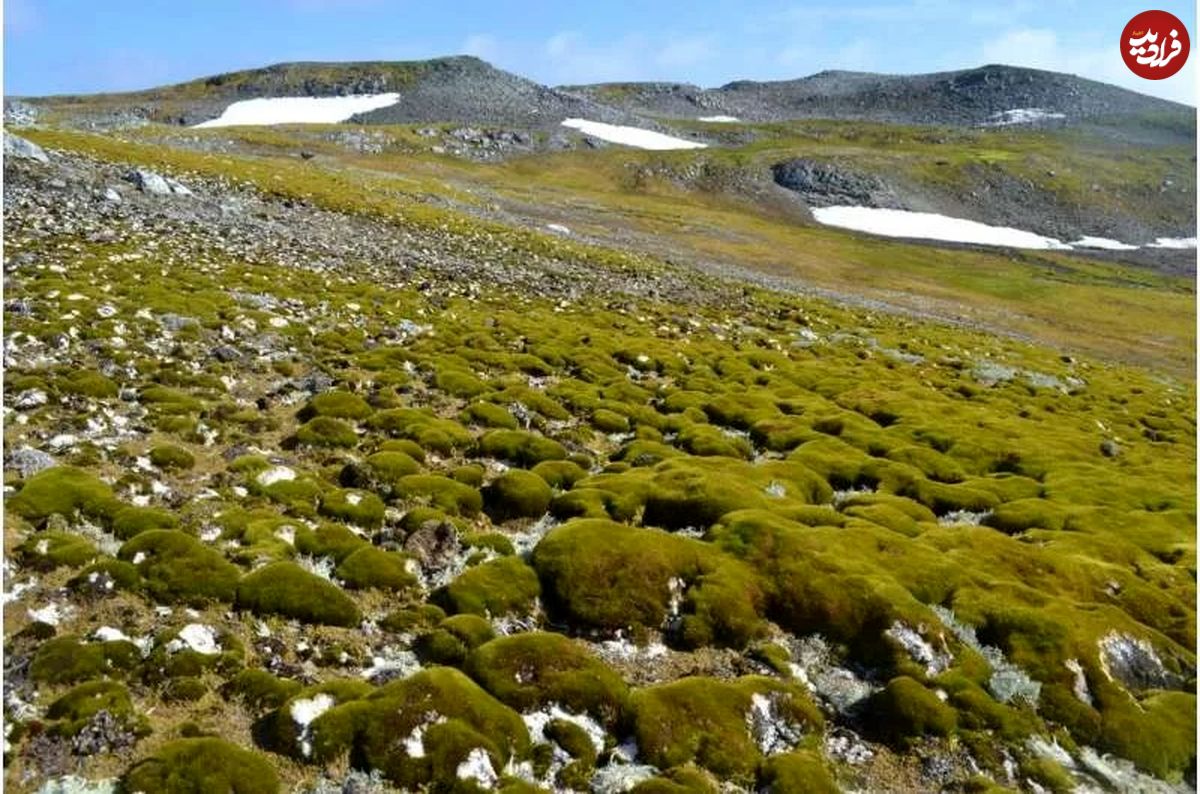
310,519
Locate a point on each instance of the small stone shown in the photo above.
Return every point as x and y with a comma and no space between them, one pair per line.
1110,448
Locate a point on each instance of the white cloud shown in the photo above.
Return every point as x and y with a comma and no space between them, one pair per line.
1042,49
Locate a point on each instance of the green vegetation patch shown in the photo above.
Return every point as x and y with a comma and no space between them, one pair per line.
284,588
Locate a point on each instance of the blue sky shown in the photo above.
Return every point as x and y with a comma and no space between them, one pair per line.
57,46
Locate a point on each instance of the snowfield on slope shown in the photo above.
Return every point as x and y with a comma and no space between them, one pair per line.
299,110
931,226
631,136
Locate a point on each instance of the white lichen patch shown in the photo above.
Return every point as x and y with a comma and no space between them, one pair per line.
772,731
269,477
919,649
196,637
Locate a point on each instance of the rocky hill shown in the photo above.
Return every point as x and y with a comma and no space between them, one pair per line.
985,95
459,89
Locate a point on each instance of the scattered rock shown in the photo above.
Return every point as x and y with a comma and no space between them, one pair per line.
19,148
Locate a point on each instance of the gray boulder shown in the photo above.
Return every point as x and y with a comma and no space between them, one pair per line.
156,184
28,461
17,147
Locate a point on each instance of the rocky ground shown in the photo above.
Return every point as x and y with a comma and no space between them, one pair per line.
310,500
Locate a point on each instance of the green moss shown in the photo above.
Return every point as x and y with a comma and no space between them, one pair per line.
411,619
471,474
521,447
459,383
67,659
473,630
172,458
336,404
190,766
76,708
122,575
489,415
355,507
325,431
607,421
133,521
286,589
531,670
1158,734
259,689
63,490
496,541
443,436
171,401
328,540
562,474
904,710
583,562
1049,774
472,719
441,492
45,551
500,587
1013,518
89,383
801,772
184,689
704,720
407,446
516,494
440,647
370,567
175,567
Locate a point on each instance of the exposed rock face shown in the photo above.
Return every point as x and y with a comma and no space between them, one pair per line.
825,185
18,147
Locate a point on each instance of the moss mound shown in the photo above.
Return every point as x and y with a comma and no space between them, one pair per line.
905,710
801,772
175,567
516,494
583,562
284,588
498,587
193,766
528,671
521,447
169,457
45,551
450,714
354,507
448,495
325,431
63,490
337,404
133,521
370,567
710,722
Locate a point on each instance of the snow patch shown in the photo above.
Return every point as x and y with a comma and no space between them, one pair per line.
1106,243
303,713
631,136
1022,116
1173,242
931,226
299,110
477,766
720,119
